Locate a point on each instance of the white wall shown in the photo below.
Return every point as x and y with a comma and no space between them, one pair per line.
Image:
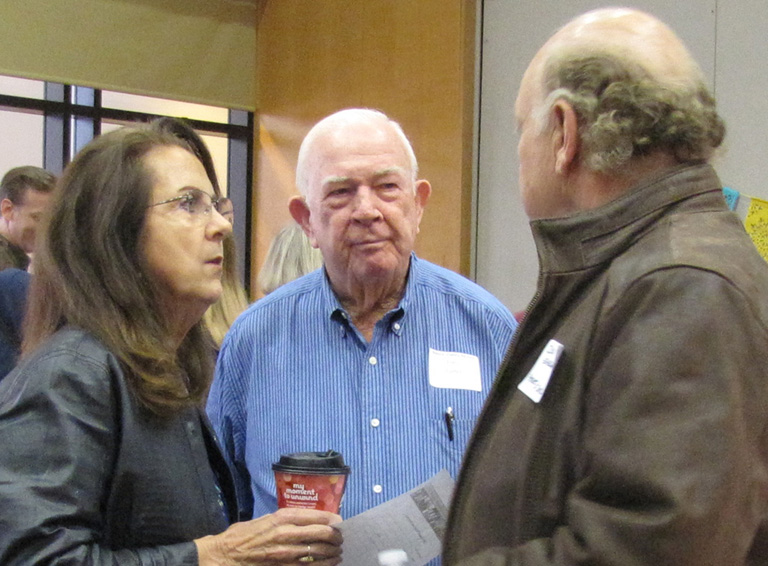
727,38
741,87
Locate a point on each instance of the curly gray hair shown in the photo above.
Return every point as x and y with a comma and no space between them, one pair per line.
623,112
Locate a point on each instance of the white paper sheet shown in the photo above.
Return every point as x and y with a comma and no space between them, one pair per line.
414,522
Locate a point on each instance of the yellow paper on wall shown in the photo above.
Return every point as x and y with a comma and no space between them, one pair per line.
756,224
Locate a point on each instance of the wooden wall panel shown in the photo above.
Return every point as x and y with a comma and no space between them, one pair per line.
412,60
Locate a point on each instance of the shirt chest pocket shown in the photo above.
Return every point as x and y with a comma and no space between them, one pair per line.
452,415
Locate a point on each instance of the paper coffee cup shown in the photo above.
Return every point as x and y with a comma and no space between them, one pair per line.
311,480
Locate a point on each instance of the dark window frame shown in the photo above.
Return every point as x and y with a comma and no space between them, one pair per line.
73,115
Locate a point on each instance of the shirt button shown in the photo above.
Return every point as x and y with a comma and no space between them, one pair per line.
372,360
377,489
396,326
375,422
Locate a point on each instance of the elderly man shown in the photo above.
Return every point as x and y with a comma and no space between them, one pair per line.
379,355
628,423
24,195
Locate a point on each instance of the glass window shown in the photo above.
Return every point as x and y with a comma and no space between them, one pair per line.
111,125
46,123
22,139
22,87
219,147
161,106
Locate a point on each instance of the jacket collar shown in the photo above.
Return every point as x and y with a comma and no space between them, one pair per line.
592,237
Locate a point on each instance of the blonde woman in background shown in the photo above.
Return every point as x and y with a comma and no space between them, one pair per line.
233,300
289,257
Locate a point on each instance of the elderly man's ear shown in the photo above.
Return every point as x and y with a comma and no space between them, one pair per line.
299,210
422,191
565,137
6,208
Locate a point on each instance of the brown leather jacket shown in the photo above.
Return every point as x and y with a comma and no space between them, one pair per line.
650,444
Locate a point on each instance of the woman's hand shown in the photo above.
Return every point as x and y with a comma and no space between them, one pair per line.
289,536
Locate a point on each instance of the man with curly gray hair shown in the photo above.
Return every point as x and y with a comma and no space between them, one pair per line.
627,424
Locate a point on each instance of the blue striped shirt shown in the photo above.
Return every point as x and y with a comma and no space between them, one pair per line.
294,375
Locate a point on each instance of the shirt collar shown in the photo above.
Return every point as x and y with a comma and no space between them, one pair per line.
395,318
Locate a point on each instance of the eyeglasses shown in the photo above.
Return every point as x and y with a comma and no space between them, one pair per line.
227,209
199,204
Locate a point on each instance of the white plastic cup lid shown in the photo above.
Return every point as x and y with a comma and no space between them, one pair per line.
393,557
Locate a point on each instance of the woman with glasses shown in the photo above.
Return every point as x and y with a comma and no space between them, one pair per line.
233,299
107,457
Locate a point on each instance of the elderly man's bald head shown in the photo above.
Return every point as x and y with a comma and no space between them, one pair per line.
633,84
336,125
629,35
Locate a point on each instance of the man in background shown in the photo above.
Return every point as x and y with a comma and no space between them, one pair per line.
24,195
13,297
380,355
628,423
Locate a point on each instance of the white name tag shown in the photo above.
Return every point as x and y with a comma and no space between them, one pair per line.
454,370
535,383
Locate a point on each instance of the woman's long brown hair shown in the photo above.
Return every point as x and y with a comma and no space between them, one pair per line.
90,271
